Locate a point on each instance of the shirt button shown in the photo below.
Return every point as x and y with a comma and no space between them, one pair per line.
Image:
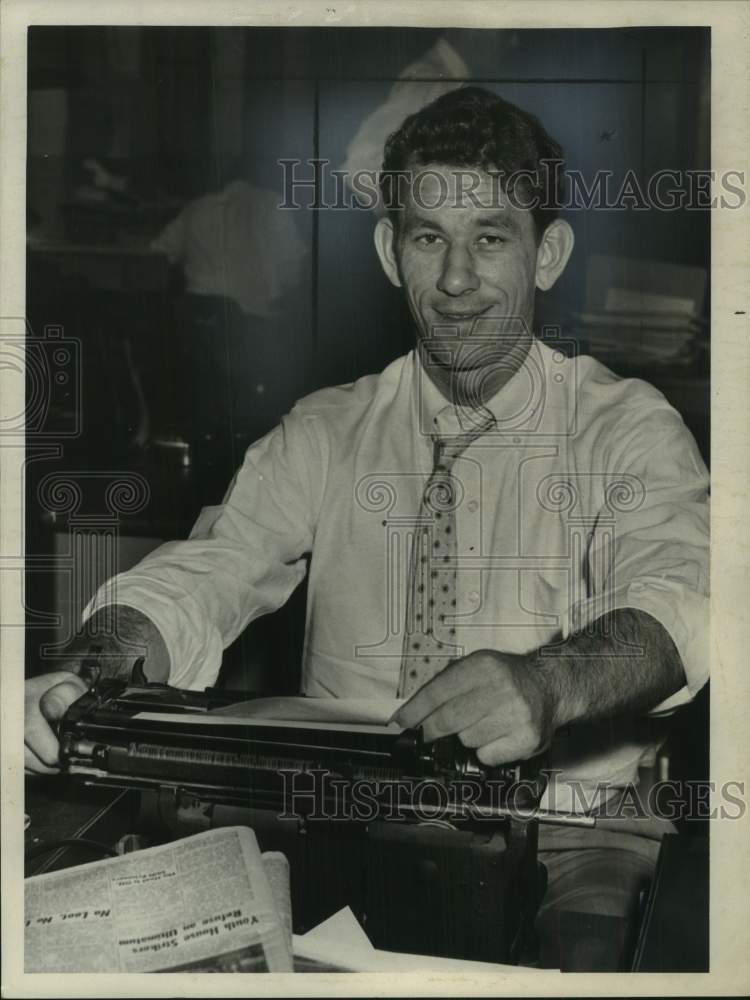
474,597
472,506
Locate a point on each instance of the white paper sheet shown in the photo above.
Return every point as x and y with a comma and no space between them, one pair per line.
340,941
354,715
342,928
348,710
197,720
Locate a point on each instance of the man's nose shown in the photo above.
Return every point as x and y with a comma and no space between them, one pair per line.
458,274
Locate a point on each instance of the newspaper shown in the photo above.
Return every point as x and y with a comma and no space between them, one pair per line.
200,904
276,868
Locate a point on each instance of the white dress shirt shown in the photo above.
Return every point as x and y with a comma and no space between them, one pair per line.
590,495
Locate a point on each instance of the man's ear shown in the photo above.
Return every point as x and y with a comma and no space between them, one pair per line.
385,244
553,253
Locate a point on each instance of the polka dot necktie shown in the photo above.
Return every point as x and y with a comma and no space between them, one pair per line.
429,637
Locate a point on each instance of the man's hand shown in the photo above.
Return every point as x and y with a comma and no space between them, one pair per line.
500,704
508,707
47,698
123,634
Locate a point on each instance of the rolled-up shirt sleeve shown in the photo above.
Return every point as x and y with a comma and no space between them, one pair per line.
649,548
242,559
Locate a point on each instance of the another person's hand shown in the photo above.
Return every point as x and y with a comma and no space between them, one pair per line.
499,704
47,698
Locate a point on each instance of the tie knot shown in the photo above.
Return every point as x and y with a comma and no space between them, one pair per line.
447,449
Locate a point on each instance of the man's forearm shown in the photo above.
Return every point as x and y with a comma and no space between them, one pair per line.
122,635
625,663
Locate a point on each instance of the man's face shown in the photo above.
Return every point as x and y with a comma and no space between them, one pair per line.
467,262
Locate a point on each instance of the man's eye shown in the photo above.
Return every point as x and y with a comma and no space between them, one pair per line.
491,239
427,239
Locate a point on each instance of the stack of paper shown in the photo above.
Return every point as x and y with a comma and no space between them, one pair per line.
643,312
642,338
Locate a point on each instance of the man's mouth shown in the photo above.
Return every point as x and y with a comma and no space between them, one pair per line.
460,316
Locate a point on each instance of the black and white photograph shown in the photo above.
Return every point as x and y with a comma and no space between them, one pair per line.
374,388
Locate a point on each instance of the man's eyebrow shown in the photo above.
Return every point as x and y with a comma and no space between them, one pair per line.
499,220
414,220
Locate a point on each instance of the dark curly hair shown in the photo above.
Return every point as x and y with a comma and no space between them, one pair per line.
472,127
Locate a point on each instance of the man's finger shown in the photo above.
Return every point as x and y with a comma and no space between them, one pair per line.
505,750
33,765
457,714
497,723
47,697
55,702
42,742
453,681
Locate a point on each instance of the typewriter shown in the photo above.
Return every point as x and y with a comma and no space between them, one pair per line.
434,853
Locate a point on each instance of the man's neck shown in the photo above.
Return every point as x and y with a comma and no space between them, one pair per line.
476,388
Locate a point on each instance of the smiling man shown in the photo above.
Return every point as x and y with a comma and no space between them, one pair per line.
469,261
476,235
513,541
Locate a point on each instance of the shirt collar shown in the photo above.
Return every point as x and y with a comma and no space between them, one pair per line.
517,407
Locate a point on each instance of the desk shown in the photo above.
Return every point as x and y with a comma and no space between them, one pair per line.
59,809
673,934
417,888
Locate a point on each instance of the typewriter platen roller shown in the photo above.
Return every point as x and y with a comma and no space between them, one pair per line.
141,736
